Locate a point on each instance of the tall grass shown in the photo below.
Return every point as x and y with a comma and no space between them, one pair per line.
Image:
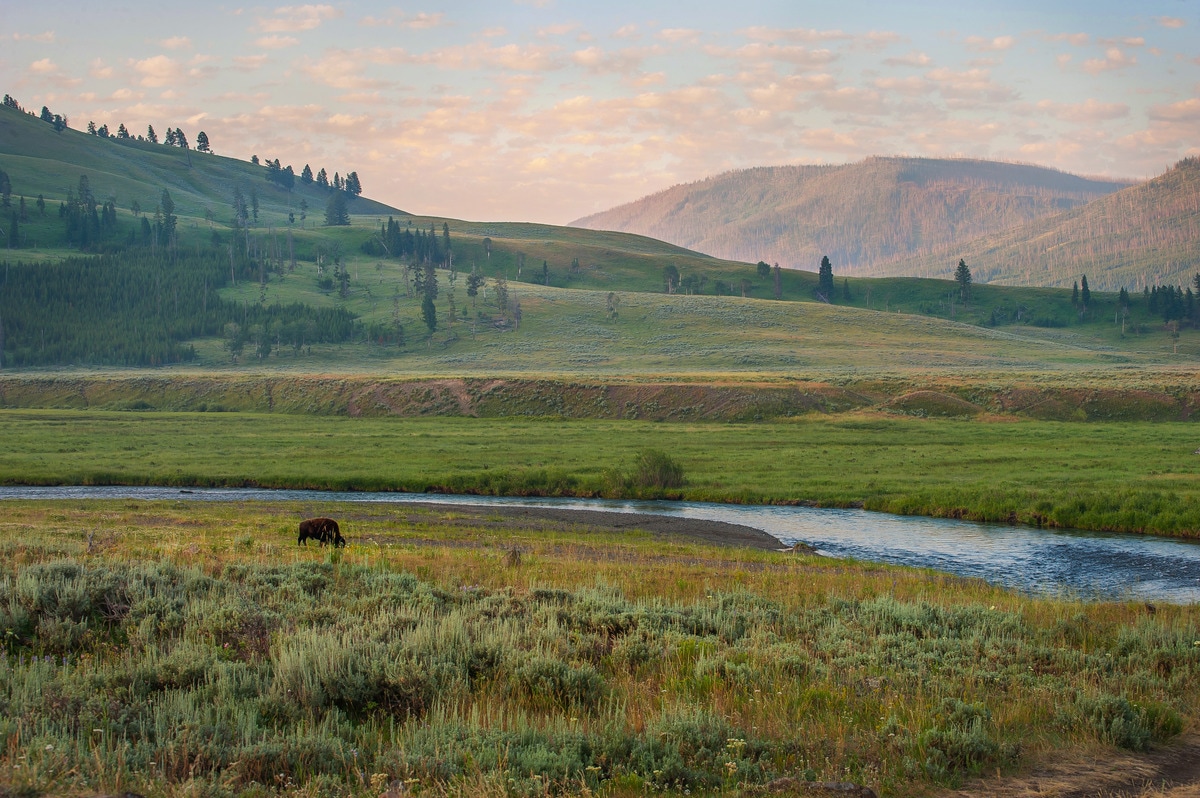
208,664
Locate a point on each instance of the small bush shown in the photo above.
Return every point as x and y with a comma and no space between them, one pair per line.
542,682
657,469
1117,722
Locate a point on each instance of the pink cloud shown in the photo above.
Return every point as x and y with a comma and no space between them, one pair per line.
1114,58
46,37
915,59
1088,111
159,70
276,42
991,45
291,19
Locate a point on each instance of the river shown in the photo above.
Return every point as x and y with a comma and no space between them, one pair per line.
1088,565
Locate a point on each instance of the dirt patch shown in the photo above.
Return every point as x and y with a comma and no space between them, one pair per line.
1172,771
933,404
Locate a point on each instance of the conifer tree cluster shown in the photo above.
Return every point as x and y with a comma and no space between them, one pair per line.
396,241
137,309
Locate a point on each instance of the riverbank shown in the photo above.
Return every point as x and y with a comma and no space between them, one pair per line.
589,522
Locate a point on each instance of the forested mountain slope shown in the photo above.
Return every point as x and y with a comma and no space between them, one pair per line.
1148,234
864,216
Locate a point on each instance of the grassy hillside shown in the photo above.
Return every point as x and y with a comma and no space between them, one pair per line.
39,160
863,215
1148,234
728,323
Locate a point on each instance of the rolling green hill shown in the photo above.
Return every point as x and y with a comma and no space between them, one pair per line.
40,160
310,297
864,216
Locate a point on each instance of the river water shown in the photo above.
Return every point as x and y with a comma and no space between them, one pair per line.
1088,565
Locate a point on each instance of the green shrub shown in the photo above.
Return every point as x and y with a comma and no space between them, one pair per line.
655,469
544,682
1115,721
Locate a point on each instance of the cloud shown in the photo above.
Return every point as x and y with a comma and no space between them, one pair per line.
915,59
99,70
910,86
423,21
679,35
1088,111
969,87
517,58
879,39
46,71
176,43
625,61
249,63
828,139
1114,58
990,45
275,42
1128,41
1170,22
557,30
159,70
341,69
762,53
45,37
851,99
1077,39
1183,111
787,94
765,34
292,19
627,32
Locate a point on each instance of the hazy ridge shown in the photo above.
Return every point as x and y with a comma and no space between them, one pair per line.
865,216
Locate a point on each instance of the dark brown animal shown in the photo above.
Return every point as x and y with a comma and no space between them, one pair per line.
322,530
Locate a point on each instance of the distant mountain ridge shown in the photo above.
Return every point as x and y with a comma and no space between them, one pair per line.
864,215
1147,234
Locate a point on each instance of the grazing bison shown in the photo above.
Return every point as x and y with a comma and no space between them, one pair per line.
322,530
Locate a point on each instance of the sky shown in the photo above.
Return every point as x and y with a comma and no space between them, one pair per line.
548,110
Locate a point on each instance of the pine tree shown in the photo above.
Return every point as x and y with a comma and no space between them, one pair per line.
202,144
962,276
335,210
122,131
825,279
306,176
1085,295
151,136
322,178
1075,294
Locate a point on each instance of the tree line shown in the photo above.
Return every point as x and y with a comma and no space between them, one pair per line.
139,309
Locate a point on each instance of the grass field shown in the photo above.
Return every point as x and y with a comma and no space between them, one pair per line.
1133,477
194,649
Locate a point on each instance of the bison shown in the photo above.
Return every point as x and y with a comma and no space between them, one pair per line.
322,530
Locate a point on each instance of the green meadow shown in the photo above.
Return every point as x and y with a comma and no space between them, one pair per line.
1127,476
